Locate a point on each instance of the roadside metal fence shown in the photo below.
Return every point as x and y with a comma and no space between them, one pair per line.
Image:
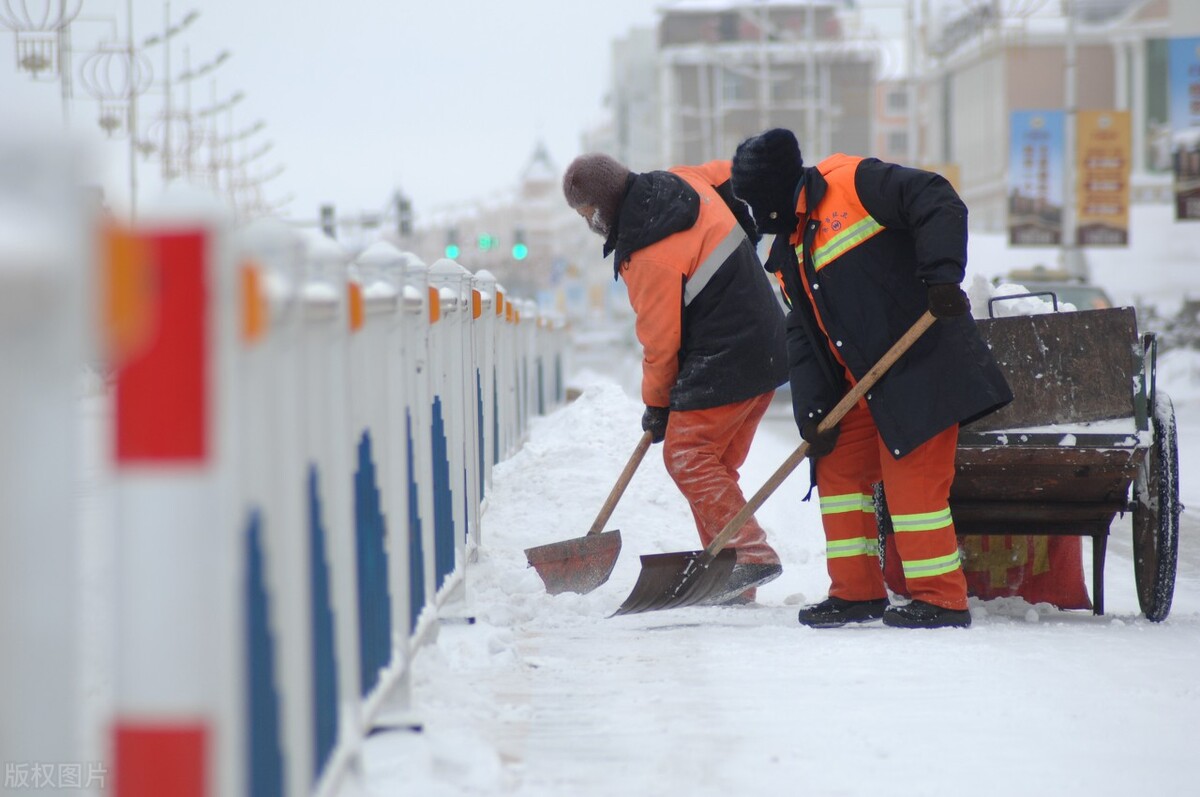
299,452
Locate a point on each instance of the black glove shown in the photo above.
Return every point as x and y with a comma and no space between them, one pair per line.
654,421
948,300
819,443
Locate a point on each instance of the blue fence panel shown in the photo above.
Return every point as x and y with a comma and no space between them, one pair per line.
374,597
324,657
416,549
443,500
264,765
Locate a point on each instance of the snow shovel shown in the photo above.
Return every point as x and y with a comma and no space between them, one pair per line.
582,564
671,580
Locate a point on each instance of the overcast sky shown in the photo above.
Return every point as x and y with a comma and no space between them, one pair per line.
445,99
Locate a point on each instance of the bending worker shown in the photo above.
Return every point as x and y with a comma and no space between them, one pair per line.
864,248
710,327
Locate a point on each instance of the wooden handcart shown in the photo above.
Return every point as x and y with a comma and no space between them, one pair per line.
1087,437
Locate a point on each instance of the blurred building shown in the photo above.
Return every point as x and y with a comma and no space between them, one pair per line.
981,61
729,71
708,76
891,114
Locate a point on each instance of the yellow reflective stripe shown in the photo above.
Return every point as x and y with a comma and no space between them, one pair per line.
926,568
839,244
922,521
844,241
856,546
850,502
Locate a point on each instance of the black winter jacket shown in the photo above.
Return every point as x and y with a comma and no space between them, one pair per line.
866,275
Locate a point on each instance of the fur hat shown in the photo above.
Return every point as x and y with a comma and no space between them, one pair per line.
766,170
596,179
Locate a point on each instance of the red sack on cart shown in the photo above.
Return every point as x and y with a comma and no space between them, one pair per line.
1036,568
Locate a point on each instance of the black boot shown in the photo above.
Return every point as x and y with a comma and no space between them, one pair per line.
920,614
836,612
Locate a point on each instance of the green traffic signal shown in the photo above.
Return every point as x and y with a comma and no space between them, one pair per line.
452,251
520,251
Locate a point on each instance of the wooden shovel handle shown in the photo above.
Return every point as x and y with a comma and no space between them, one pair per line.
835,416
623,480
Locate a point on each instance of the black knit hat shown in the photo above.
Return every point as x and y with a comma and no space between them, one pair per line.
596,179
766,170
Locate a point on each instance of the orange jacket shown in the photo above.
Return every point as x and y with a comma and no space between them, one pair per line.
710,327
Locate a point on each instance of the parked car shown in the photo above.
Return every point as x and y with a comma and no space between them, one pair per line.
1072,290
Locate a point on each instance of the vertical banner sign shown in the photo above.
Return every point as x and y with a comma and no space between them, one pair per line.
1184,86
1035,177
1102,149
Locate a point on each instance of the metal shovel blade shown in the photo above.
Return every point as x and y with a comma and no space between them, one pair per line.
671,580
578,565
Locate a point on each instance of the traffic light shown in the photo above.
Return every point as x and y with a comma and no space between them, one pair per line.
485,242
328,221
404,215
452,243
519,250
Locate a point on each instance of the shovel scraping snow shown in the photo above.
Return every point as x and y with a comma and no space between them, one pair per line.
670,580
582,564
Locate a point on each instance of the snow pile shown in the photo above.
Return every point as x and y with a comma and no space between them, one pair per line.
980,291
1179,374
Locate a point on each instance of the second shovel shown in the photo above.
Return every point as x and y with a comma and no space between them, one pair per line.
582,564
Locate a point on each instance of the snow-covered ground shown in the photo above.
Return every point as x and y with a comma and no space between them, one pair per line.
548,695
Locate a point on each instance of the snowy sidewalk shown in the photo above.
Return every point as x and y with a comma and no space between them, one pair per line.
549,696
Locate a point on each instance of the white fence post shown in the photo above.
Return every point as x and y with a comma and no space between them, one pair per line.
177,674
43,248
419,314
379,403
329,450
485,375
446,282
273,513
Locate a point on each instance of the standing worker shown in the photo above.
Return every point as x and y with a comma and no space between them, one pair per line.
864,248
710,327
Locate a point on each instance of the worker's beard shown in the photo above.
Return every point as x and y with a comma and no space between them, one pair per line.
597,224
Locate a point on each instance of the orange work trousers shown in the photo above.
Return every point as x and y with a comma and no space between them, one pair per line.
918,492
703,450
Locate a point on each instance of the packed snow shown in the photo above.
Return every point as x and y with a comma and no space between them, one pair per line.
548,695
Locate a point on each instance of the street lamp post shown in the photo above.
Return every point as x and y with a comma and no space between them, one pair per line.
169,32
186,78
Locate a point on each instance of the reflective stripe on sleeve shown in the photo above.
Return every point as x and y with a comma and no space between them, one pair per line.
705,271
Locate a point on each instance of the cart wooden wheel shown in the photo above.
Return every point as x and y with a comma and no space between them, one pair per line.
1156,511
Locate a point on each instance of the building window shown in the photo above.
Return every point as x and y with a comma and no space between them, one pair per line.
897,101
727,27
736,87
897,142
